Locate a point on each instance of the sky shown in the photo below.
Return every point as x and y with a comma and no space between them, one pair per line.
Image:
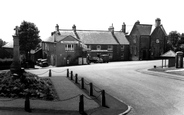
88,14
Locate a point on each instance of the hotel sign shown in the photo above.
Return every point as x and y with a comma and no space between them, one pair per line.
70,42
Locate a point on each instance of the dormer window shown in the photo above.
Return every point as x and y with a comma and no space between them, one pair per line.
98,47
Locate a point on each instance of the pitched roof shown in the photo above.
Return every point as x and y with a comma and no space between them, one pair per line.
121,38
96,37
144,29
161,27
91,36
169,53
57,37
8,45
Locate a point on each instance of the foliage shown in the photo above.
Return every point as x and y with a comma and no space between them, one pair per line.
28,37
2,43
175,41
18,87
5,63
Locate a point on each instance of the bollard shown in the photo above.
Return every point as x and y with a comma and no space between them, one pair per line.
67,74
103,98
82,83
91,89
81,104
27,104
50,74
71,75
76,78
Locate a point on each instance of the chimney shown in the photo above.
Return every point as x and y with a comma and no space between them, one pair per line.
124,27
157,22
111,28
137,22
57,27
74,28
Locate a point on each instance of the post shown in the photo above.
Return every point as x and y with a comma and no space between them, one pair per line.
27,104
15,67
82,83
103,98
71,75
76,78
91,89
50,74
67,74
81,104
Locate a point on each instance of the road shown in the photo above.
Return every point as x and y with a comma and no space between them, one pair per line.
147,94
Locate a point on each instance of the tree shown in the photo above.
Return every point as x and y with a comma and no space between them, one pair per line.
28,37
2,43
174,41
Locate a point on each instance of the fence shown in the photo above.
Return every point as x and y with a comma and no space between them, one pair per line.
94,92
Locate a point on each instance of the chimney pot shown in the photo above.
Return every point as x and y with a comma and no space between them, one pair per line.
124,27
57,27
157,22
74,27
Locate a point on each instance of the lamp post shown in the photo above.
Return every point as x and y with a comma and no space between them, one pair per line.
16,66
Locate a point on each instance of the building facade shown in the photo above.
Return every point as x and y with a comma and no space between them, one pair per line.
66,46
139,39
158,40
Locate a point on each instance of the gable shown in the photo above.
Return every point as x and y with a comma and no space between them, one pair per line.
158,32
69,38
144,29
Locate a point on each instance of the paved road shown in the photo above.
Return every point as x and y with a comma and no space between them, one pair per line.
147,94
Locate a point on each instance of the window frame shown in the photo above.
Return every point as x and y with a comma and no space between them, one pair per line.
98,47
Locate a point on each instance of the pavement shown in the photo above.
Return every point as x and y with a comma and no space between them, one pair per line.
171,72
68,104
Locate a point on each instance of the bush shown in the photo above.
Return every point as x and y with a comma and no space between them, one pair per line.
19,86
5,63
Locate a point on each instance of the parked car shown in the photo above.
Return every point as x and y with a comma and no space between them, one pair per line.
105,58
42,62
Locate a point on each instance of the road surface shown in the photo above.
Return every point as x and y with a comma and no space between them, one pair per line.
147,94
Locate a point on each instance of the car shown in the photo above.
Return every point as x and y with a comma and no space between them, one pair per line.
105,58
42,62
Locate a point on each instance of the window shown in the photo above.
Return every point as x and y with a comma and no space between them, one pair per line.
89,47
135,50
122,48
110,47
69,47
98,47
110,55
157,41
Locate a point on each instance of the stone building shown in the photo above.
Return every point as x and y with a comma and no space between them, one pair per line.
139,39
158,40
